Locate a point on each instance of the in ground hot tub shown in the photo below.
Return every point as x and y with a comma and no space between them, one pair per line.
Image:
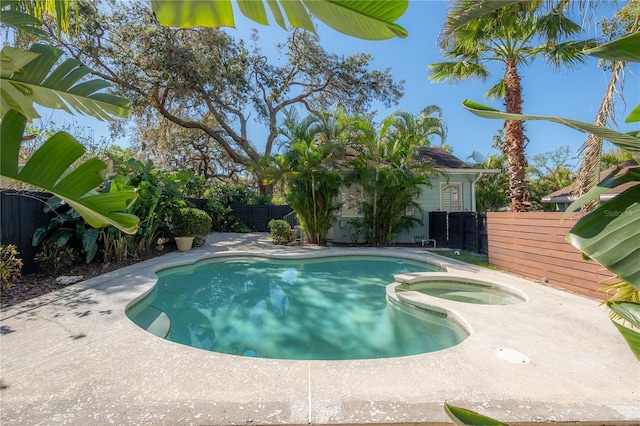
459,289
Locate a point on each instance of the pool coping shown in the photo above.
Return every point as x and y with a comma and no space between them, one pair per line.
73,356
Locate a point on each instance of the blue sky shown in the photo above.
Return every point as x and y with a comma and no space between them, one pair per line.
569,93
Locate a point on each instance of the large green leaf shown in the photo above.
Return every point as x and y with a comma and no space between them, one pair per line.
31,76
632,337
629,311
371,20
464,417
48,168
622,49
20,21
634,116
610,235
609,182
629,142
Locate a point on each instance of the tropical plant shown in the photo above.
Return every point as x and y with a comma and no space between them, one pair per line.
513,35
159,194
10,266
355,228
310,165
491,189
367,20
281,231
66,229
53,258
31,76
392,173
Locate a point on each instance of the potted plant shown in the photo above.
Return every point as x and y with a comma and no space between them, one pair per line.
189,223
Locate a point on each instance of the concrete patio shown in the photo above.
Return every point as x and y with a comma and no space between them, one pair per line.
73,357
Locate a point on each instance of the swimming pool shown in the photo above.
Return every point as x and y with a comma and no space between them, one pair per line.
314,308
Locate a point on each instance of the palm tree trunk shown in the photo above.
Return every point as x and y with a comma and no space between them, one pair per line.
515,141
589,173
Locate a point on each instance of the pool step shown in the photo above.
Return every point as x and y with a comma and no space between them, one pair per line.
151,319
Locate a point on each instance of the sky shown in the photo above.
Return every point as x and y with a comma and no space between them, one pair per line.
573,93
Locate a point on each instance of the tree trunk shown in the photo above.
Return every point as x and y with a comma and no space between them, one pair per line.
515,141
264,187
589,173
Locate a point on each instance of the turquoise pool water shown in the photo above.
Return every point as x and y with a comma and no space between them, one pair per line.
466,292
324,309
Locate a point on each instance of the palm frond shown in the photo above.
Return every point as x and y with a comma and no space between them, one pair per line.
34,78
454,72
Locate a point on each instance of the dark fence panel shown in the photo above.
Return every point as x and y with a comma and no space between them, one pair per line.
438,228
456,230
257,216
471,233
199,203
20,215
459,230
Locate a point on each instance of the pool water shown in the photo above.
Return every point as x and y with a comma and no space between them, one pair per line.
324,309
464,292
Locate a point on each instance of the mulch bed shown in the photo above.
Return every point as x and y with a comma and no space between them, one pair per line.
33,285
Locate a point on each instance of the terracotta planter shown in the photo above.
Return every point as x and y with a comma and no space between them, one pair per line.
184,243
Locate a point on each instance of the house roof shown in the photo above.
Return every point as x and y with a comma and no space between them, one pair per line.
564,195
442,158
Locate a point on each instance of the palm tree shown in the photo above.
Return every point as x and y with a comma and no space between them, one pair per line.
390,171
513,35
310,166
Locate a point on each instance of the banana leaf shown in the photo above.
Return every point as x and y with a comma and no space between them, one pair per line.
621,49
632,337
629,311
464,417
629,141
371,20
49,169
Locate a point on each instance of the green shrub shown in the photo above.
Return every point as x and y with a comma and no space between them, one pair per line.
281,231
223,219
355,227
10,266
191,222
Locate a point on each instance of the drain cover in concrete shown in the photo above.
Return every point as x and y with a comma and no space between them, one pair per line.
512,356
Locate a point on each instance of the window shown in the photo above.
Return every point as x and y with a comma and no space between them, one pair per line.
451,197
351,198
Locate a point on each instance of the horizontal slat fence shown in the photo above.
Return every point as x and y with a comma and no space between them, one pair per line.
534,245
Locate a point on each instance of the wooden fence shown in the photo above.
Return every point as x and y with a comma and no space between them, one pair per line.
534,245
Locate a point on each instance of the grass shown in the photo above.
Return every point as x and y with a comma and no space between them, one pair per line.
467,256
